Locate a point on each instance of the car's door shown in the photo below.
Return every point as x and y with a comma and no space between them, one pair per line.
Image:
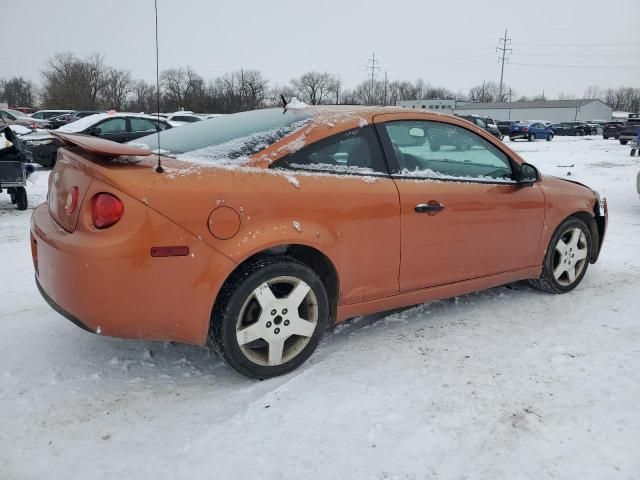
114,129
139,127
462,215
538,130
347,178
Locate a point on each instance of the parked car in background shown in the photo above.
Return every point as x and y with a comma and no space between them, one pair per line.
546,123
492,128
629,131
14,117
25,110
577,129
125,251
504,126
530,132
46,114
117,127
78,114
182,118
611,130
483,122
57,122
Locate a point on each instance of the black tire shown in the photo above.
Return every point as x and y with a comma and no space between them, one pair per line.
232,299
531,137
549,137
623,142
605,137
21,198
547,280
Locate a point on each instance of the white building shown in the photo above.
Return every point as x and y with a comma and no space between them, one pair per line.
435,104
551,110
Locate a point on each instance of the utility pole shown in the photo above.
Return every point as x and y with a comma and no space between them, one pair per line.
504,52
385,89
372,65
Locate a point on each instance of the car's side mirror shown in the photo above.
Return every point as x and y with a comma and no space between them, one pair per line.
528,174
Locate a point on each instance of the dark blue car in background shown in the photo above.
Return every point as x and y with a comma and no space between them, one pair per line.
530,131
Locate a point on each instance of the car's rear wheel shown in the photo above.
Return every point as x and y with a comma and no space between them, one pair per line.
623,142
531,137
567,257
549,137
270,317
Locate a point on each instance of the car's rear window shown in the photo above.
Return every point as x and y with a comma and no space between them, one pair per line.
227,137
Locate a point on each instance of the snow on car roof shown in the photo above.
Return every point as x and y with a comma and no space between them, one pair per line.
86,122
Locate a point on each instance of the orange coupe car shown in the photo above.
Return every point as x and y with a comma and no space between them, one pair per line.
262,228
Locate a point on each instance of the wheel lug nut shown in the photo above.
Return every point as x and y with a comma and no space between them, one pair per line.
286,323
268,324
284,311
276,331
273,312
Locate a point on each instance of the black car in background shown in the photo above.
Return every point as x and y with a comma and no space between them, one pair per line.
629,131
611,130
492,128
117,127
574,129
60,120
483,122
505,125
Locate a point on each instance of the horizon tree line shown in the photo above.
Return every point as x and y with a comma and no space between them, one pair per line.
88,83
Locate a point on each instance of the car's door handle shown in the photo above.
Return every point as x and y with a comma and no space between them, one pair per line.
431,207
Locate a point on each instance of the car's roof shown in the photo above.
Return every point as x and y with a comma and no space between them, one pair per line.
86,122
54,110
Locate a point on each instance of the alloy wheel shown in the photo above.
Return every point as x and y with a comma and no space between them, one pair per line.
570,256
277,321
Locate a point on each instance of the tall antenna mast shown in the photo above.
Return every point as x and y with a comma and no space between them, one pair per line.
505,51
159,168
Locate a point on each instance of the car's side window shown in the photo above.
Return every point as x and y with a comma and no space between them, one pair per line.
113,125
427,149
142,125
356,151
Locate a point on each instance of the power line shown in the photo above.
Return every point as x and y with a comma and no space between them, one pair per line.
628,44
505,51
575,54
575,66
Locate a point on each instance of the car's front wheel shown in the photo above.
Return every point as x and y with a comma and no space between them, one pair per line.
270,317
567,257
623,142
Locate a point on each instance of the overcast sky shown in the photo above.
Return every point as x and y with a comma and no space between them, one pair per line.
448,43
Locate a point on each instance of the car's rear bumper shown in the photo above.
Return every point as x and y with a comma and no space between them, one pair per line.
627,137
113,286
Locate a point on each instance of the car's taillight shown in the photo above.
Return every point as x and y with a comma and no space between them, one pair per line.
72,201
525,129
106,210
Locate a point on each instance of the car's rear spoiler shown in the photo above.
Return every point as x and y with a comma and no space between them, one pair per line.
100,146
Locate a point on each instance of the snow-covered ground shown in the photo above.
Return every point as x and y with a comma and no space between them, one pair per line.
507,383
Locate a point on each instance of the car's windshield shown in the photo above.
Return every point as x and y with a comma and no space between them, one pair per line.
227,137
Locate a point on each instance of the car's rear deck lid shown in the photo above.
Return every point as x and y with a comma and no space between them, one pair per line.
99,146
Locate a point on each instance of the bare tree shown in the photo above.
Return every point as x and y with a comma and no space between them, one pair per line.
315,87
117,85
72,82
178,84
143,98
17,91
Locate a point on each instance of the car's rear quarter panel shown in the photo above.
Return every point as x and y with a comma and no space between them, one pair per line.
109,280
